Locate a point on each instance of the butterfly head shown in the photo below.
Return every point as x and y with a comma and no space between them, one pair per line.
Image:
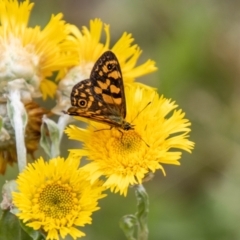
127,126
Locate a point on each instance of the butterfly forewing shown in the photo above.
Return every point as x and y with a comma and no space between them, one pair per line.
108,84
101,98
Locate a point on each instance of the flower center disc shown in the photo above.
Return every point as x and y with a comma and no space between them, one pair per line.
128,142
55,201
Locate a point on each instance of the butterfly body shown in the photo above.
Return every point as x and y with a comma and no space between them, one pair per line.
101,98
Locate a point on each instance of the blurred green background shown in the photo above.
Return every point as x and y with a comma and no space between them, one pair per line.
197,50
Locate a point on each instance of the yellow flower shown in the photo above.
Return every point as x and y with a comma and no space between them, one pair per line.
32,53
87,43
125,157
56,198
90,49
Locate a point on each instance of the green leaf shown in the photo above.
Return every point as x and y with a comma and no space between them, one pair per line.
10,228
50,137
128,224
35,235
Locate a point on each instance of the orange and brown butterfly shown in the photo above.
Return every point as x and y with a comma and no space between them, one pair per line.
101,98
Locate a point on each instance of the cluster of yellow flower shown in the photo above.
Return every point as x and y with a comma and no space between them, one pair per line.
57,196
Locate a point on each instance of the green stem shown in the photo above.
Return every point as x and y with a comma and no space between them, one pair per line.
142,212
136,224
18,117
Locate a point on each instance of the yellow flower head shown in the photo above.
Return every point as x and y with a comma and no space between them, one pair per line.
31,53
56,198
125,157
89,47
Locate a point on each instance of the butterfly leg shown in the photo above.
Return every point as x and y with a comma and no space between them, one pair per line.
121,136
103,129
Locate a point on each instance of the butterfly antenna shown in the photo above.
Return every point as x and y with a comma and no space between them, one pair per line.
141,111
138,115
